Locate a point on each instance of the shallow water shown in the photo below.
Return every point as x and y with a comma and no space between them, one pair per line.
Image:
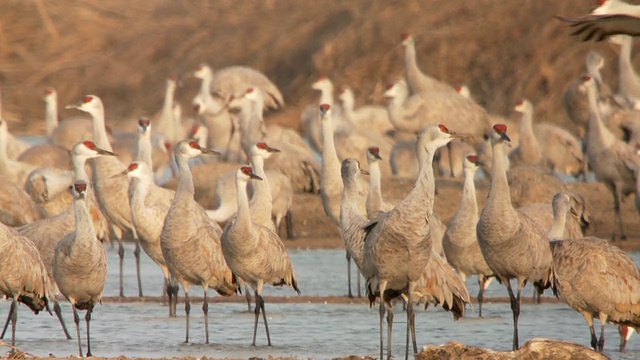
304,330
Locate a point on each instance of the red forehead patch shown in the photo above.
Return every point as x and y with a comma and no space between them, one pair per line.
500,128
325,107
586,77
404,36
133,166
250,90
247,170
262,145
472,158
87,99
194,145
144,122
374,150
80,186
89,144
520,102
443,128
48,91
389,86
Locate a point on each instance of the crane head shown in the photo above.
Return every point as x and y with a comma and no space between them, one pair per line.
143,124
248,172
501,130
80,188
373,153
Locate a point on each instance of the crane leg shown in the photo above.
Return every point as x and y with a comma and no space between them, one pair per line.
288,219
481,283
56,309
76,320
14,319
349,294
616,208
411,331
358,276
6,323
603,322
187,310
256,312
264,318
87,318
121,257
247,294
515,309
594,338
136,254
390,317
165,294
382,287
205,310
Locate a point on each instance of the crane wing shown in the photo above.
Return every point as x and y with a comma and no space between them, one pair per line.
599,27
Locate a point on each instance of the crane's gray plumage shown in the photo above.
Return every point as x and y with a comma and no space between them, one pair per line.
595,278
418,81
460,242
112,193
514,246
191,240
23,276
399,242
253,251
80,263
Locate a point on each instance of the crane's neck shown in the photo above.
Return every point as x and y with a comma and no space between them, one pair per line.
469,200
261,201
423,192
140,190
528,139
84,224
99,131
185,179
51,115
351,219
626,72
499,190
326,94
557,228
348,104
330,161
374,198
410,64
79,170
597,132
145,148
167,104
205,84
243,217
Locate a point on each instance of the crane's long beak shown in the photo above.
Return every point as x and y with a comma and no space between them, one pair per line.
363,171
210,151
72,106
270,149
105,152
122,173
255,177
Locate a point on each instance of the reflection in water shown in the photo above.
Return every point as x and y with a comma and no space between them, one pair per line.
319,331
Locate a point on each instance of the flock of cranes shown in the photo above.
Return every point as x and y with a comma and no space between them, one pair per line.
402,249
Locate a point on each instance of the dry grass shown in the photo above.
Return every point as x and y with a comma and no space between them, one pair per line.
123,50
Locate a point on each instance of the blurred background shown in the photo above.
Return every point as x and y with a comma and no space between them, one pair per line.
123,51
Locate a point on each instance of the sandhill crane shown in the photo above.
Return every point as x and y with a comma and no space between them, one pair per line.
412,113
80,264
111,192
528,151
253,251
576,223
16,207
296,160
599,27
369,117
190,240
47,155
628,80
167,124
418,81
48,187
438,283
232,80
24,278
12,170
398,254
149,207
594,277
460,242
612,160
47,232
68,132
331,186
513,245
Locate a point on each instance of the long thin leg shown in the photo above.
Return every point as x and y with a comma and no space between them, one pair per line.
390,317
481,283
625,333
121,256
411,319
382,287
288,219
358,276
56,309
6,323
14,320
256,312
174,287
165,293
187,310
76,320
87,318
136,253
247,294
594,338
515,309
349,294
603,322
617,196
264,318
205,310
